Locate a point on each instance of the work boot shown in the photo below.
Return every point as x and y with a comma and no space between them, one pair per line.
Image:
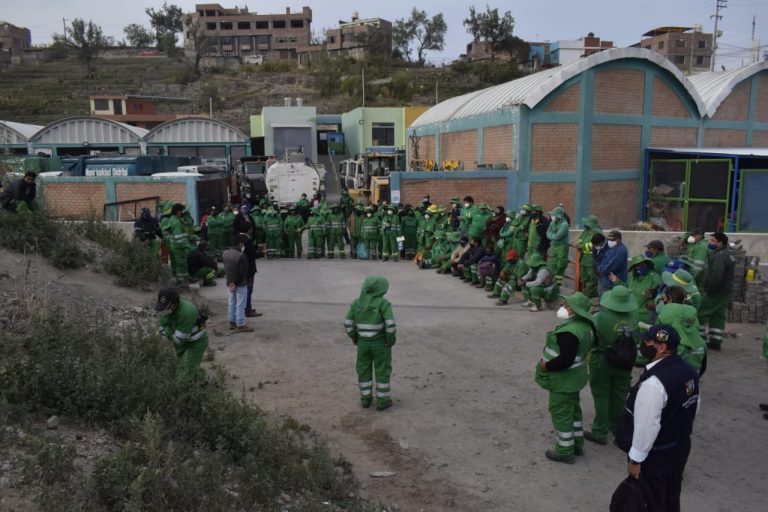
713,346
501,302
589,436
244,328
534,309
253,314
527,304
763,407
578,451
232,326
365,403
383,404
554,456
492,296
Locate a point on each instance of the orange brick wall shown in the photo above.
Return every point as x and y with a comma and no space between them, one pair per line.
499,145
176,192
761,106
717,138
74,200
460,146
615,147
735,106
489,190
549,195
669,137
566,101
553,147
666,102
426,148
760,139
619,91
614,202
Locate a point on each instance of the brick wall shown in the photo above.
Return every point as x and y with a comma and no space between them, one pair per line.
717,138
669,137
460,146
176,192
614,202
566,101
426,148
553,147
761,106
666,102
760,139
74,200
615,147
499,145
483,190
735,106
619,91
549,195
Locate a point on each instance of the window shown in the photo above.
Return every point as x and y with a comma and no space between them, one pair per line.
702,43
678,59
278,24
262,25
297,23
700,60
680,43
101,105
262,39
243,25
210,26
225,25
331,39
118,106
383,134
244,40
661,45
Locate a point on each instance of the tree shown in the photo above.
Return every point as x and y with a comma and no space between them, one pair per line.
85,39
166,21
495,30
201,42
138,36
427,33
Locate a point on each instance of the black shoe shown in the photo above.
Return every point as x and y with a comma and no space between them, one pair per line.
590,437
556,457
253,314
713,346
232,326
763,407
578,451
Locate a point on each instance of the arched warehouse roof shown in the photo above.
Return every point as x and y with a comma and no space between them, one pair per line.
195,130
17,133
714,88
94,130
532,89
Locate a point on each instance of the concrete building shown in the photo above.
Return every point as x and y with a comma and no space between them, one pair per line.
355,39
13,41
286,128
580,135
240,33
688,48
382,127
564,52
481,50
140,111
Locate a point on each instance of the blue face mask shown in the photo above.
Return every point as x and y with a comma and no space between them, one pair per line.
712,247
641,271
648,254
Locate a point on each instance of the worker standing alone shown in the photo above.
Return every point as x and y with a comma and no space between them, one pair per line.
371,326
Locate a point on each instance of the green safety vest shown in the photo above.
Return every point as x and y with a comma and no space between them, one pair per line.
573,379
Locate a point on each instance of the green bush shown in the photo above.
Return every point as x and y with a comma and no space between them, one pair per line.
134,265
38,233
278,66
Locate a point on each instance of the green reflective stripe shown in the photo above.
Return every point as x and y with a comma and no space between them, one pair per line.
350,330
370,327
365,384
391,330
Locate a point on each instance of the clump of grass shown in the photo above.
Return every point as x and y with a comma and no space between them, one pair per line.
38,233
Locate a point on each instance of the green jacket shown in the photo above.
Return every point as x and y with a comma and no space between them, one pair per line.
698,254
370,229
370,320
409,226
643,288
574,378
293,225
317,225
181,326
390,225
335,223
478,223
557,232
684,319
609,325
660,261
272,224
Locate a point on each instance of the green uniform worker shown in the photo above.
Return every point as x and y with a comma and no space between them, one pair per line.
557,233
563,372
506,240
505,285
317,228
227,220
609,384
537,283
259,230
346,204
587,276
214,233
683,318
534,236
684,280
697,253
273,229
370,232
432,256
390,230
355,227
655,251
716,285
409,226
478,221
371,325
294,227
643,284
521,234
467,213
335,236
175,235
181,323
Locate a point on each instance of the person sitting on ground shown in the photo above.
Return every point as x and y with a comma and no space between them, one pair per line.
456,256
473,257
202,266
511,273
20,195
431,256
538,283
488,268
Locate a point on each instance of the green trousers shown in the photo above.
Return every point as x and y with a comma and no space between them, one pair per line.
520,246
374,358
508,290
207,274
587,277
336,241
535,294
565,410
373,248
188,359
294,245
389,246
177,253
609,386
315,245
558,260
274,245
470,273
712,313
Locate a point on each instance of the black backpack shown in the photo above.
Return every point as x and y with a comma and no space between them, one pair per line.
622,354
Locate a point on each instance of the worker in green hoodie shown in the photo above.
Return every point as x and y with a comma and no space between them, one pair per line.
643,284
294,227
370,324
587,276
409,225
557,234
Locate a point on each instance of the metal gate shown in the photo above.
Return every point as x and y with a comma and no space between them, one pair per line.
753,194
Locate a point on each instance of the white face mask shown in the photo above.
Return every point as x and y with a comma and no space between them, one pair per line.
563,313
427,216
369,214
612,243
509,219
522,212
466,205
390,212
691,240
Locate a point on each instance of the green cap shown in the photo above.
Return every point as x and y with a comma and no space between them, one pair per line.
579,303
557,212
619,299
681,278
484,206
639,259
455,200
536,207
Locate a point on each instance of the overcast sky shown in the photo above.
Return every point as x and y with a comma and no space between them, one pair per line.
620,21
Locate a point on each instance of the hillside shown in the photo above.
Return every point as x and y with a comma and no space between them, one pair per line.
40,94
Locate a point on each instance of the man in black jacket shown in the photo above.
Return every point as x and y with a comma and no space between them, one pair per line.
250,253
146,229
717,284
20,195
201,266
236,267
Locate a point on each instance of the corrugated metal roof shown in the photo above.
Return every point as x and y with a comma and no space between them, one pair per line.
195,130
758,152
714,88
17,133
532,89
94,130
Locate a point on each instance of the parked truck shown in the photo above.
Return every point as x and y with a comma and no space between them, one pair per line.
251,172
287,180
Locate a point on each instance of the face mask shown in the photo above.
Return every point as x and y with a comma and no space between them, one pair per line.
712,247
427,216
563,313
466,205
425,201
641,271
509,219
369,214
648,351
454,206
555,219
612,243
648,254
390,213
498,214
691,240
522,212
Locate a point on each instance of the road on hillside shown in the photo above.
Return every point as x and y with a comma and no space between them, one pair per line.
469,427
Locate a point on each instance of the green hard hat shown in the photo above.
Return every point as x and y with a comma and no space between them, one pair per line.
639,259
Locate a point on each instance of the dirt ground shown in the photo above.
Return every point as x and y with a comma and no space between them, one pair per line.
469,427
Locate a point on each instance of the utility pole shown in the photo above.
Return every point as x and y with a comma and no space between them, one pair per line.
64,26
755,44
363,70
721,4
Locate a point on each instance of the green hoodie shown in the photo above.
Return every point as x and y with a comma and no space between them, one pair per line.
370,319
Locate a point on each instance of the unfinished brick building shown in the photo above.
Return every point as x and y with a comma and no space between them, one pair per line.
579,134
